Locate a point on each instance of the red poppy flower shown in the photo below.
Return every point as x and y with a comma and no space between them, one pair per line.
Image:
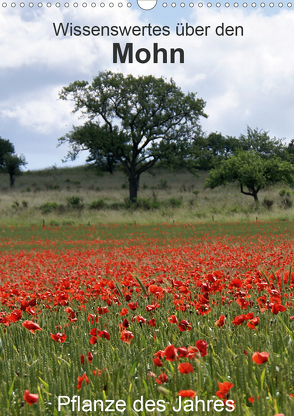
253,323
187,393
93,318
185,368
157,361
102,310
182,351
162,378
31,326
126,336
238,320
276,308
90,357
202,347
82,359
184,325
93,340
150,374
81,379
139,319
224,389
30,398
170,353
123,312
221,321
59,337
173,319
15,315
133,305
104,334
260,357
152,322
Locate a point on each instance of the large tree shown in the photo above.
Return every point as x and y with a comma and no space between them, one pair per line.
130,120
251,172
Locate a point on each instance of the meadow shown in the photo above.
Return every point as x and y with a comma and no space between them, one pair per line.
137,319
65,196
179,305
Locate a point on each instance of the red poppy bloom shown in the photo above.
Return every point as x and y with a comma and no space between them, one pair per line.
224,389
104,334
82,359
276,308
221,321
187,393
162,378
253,323
90,357
170,353
185,368
81,379
238,320
182,351
102,310
30,398
59,337
260,357
31,326
93,318
202,347
133,305
184,325
157,361
126,336
93,340
123,312
173,319
152,322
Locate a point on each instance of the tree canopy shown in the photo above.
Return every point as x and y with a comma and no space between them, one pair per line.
250,170
130,120
6,147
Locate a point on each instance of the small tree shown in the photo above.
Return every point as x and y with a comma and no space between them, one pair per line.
5,148
130,120
13,165
251,171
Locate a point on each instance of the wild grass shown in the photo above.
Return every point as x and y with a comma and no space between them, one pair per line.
79,196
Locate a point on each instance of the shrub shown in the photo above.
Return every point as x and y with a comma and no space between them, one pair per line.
162,184
75,202
99,204
267,203
48,207
284,192
286,202
174,202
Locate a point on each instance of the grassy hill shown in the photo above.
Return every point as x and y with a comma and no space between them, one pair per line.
78,195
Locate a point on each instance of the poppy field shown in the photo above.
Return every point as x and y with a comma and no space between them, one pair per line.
165,319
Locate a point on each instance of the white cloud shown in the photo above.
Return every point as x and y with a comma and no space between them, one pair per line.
244,80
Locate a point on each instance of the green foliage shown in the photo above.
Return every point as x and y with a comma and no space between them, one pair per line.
268,203
249,169
48,207
75,202
6,147
13,165
99,204
130,120
284,192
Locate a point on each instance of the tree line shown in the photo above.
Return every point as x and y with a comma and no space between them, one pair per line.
136,122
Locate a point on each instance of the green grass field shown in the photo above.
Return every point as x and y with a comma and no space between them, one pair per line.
78,196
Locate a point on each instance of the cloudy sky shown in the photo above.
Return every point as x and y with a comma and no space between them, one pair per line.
244,80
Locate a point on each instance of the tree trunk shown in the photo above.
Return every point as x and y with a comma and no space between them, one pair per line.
12,178
133,183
